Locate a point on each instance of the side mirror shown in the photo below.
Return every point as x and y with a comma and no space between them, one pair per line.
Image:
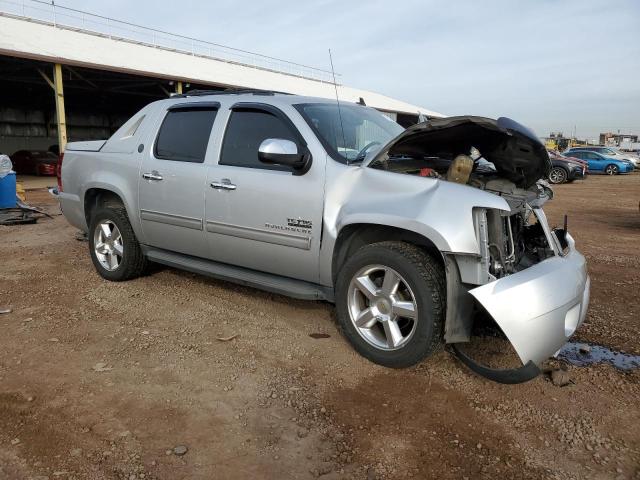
278,151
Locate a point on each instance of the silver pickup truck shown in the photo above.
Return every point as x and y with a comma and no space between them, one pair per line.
410,232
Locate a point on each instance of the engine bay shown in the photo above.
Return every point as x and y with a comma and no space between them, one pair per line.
513,241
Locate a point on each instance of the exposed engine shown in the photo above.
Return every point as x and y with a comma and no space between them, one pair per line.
499,156
514,240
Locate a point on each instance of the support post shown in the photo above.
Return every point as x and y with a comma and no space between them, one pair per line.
60,114
179,87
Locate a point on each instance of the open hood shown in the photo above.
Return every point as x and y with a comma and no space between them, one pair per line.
514,150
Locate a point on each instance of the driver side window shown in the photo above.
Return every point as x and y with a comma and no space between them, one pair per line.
246,130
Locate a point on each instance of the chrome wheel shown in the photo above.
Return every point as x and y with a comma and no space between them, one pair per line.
382,307
557,175
108,246
611,170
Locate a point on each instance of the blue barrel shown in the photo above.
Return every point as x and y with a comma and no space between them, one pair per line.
8,191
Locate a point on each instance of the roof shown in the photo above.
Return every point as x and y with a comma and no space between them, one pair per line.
251,96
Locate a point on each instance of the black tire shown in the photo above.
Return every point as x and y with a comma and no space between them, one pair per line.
426,278
133,263
558,175
611,169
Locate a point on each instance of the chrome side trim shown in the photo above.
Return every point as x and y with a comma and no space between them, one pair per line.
171,219
278,238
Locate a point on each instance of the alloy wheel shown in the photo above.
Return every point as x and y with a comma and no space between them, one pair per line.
557,175
107,245
382,307
611,170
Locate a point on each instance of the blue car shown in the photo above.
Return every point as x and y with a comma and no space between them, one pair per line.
599,163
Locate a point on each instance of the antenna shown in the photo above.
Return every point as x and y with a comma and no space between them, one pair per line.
335,86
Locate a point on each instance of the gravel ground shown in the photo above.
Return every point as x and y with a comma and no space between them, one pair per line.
177,376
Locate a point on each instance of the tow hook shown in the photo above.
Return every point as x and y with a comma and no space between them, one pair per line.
522,374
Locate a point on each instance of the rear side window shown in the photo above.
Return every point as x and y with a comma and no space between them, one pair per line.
246,130
184,134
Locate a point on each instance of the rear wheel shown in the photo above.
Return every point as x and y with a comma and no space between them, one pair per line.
558,175
611,170
390,302
113,246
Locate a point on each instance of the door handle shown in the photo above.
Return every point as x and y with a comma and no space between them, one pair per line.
153,175
224,184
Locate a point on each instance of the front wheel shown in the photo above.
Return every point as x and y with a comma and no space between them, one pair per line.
390,300
611,170
113,246
557,175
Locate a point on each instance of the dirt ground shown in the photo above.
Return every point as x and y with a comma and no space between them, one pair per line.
103,380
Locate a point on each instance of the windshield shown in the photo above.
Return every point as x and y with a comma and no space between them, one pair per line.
352,133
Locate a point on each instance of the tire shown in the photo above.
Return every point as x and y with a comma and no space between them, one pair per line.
421,283
558,175
131,262
611,169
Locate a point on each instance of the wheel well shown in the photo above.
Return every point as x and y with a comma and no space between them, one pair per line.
97,197
353,237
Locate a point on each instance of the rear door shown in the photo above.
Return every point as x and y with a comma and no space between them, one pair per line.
173,179
262,216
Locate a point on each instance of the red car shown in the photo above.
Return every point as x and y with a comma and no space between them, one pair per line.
34,162
556,154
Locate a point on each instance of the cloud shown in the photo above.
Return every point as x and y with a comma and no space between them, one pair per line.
549,64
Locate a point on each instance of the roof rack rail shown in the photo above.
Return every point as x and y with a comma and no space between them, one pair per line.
229,91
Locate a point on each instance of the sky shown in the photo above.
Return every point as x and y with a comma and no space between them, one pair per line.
553,65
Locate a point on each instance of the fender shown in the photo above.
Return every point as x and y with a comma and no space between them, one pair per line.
425,206
117,184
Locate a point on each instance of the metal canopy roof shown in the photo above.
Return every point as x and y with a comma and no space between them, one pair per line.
42,31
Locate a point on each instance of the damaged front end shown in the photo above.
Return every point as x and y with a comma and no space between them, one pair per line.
537,288
529,278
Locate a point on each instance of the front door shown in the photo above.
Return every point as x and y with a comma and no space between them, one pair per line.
262,216
596,162
173,179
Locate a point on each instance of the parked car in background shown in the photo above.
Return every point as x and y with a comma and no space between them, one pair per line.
34,162
572,158
608,152
565,169
599,163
